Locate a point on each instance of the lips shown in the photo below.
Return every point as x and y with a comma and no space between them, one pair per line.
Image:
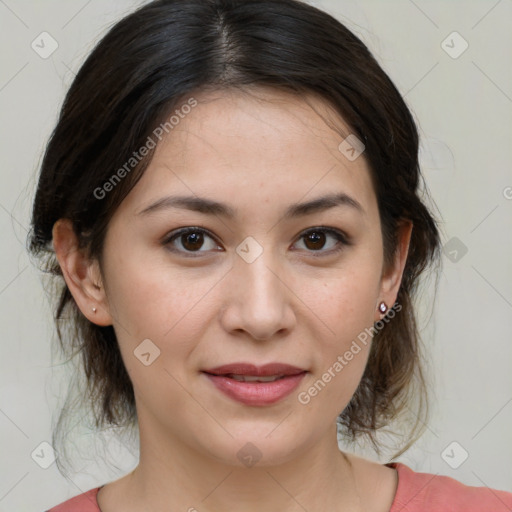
266,370
256,385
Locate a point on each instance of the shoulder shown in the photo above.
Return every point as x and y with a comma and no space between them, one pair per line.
422,492
85,502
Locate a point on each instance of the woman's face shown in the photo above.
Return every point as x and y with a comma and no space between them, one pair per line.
247,284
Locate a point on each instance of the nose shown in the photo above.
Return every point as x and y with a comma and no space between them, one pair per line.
259,301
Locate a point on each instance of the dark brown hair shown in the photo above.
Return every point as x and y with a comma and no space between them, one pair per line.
139,72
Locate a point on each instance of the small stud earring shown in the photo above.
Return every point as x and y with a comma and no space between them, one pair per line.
94,310
382,307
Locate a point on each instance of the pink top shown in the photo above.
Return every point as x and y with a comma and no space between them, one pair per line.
416,492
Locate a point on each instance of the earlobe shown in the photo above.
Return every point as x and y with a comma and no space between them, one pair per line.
81,274
391,280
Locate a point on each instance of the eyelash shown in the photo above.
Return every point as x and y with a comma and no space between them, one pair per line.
342,238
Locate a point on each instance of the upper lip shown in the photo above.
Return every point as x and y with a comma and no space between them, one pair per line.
257,371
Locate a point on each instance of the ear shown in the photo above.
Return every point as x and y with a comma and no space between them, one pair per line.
392,277
82,275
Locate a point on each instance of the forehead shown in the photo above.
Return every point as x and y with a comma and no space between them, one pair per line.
260,144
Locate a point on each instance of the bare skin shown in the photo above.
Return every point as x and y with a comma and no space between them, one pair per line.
296,303
373,488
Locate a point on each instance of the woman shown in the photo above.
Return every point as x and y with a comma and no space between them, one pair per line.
231,196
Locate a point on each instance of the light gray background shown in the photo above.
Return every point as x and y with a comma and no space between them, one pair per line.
464,108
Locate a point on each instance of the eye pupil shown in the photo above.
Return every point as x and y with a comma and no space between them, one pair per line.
195,239
315,237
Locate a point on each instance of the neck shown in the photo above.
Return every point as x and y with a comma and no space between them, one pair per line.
171,475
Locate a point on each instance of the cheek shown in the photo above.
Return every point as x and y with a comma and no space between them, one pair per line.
329,389
169,307
346,304
148,295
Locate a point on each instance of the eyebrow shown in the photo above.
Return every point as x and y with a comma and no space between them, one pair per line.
211,207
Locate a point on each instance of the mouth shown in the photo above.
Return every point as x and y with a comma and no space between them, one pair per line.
250,370
253,378
255,385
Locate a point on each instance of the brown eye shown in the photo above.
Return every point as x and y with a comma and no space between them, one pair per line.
317,238
193,241
190,240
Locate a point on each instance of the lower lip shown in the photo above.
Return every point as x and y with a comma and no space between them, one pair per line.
256,393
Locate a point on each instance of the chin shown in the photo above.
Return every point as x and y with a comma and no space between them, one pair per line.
257,447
